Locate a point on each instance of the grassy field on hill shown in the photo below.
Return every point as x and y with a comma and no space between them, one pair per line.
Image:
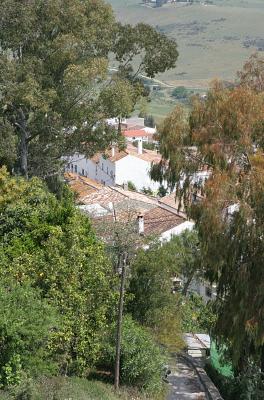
214,40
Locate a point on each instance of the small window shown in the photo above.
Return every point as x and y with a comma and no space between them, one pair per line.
72,167
83,172
107,170
75,168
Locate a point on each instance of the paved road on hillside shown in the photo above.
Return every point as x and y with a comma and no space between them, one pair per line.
184,383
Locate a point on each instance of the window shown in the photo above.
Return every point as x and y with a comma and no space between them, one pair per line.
82,171
107,170
75,168
72,167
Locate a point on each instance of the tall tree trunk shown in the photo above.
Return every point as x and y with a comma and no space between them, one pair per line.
262,359
24,155
119,126
186,285
119,322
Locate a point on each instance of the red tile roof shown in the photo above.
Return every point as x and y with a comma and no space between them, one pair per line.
159,220
147,155
135,133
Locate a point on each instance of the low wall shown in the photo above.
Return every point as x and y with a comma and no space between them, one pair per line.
210,389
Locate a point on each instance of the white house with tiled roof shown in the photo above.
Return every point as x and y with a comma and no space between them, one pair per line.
119,167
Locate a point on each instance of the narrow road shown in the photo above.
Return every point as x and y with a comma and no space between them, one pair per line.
184,383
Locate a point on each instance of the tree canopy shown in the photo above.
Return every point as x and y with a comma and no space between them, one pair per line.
54,79
223,135
48,245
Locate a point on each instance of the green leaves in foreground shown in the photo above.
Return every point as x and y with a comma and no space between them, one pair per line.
26,321
47,244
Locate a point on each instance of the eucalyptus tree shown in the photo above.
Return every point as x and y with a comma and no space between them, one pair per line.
54,81
224,135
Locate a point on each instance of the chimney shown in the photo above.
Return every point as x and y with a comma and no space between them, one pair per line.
140,147
141,224
113,151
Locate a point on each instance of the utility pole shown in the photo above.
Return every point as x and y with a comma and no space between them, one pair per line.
123,261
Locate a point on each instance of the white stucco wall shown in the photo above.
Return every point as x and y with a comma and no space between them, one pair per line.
129,168
136,170
105,172
177,230
79,164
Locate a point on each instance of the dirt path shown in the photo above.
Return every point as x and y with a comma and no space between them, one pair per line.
184,383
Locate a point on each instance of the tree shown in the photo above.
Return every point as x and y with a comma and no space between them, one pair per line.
142,360
26,324
180,92
143,108
224,134
122,239
186,248
152,302
149,121
48,244
54,77
252,74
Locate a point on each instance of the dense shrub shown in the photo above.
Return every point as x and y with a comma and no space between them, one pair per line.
142,360
25,324
249,385
48,244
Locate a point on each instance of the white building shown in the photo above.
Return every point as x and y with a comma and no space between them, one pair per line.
118,167
132,135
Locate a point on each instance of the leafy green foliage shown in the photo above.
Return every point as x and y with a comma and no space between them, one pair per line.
54,81
26,322
196,316
131,186
149,121
151,301
50,245
142,361
224,135
180,92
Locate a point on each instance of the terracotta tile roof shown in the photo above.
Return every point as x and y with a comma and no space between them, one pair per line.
135,133
156,219
136,195
134,127
81,185
159,220
104,196
169,200
147,155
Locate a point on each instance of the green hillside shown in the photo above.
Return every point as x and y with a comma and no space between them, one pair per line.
214,40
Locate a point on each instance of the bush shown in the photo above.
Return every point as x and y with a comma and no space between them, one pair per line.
51,245
180,92
196,314
142,360
246,386
25,324
131,186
